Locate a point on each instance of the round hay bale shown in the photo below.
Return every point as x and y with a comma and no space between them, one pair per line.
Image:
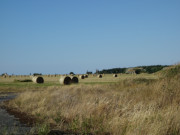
37,79
99,76
115,75
81,76
74,79
86,76
65,80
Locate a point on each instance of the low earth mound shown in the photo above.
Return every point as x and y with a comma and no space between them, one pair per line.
170,72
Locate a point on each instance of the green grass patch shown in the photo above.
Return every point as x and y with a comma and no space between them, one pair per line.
19,86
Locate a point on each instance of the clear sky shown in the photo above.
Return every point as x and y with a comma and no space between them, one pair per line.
60,36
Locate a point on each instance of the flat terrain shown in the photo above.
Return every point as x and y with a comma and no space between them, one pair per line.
10,84
127,105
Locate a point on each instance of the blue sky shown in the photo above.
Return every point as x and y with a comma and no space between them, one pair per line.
59,36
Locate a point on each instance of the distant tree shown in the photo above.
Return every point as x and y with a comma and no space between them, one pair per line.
138,71
153,68
36,74
88,72
71,73
4,74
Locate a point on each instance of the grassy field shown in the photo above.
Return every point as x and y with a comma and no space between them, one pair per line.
145,104
10,84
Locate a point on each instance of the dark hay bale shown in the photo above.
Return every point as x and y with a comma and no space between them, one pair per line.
74,79
65,80
38,79
99,76
81,76
115,75
86,76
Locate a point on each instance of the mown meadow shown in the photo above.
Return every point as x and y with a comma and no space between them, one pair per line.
144,104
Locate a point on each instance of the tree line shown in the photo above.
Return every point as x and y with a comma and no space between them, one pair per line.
140,69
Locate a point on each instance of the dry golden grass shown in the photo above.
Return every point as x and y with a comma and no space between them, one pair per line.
133,106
